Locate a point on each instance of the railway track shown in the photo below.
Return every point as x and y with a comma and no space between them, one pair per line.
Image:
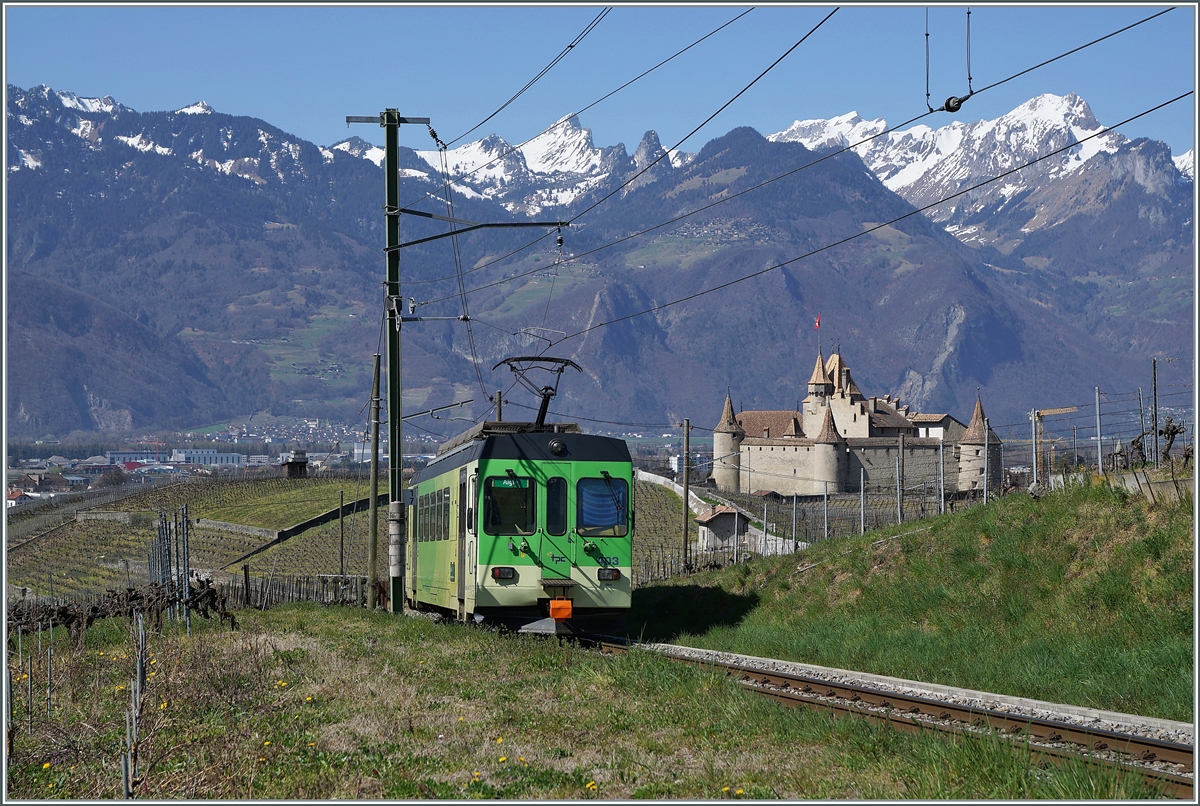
1167,765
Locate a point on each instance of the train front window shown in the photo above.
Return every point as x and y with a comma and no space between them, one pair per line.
602,507
556,505
508,505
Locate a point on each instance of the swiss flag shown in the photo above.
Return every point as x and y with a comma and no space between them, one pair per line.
817,326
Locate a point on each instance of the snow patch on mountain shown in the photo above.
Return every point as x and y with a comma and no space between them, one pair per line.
142,143
1186,164
72,101
565,146
198,108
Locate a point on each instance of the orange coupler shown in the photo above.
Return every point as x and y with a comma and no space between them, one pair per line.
560,609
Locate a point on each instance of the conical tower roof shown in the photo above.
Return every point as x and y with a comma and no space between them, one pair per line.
975,434
819,376
728,423
829,432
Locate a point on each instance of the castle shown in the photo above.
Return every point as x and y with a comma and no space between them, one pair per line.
842,440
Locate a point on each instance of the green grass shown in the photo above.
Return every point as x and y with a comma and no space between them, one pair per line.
306,702
1083,597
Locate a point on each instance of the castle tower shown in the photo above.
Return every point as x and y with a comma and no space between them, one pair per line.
979,452
829,457
819,391
727,449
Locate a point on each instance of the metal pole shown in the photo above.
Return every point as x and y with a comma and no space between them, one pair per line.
499,406
1154,378
941,476
825,509
987,470
1033,441
687,471
1099,443
341,532
899,512
373,540
794,541
862,501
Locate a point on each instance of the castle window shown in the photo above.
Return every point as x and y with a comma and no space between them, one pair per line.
977,451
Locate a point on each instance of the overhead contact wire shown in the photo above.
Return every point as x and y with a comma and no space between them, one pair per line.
874,228
767,182
596,102
543,72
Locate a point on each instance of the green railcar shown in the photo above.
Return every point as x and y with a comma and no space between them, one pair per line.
526,525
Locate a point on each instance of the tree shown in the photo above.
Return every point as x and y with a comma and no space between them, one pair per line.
112,477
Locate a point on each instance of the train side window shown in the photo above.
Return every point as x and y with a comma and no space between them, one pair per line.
509,505
556,506
424,518
446,513
602,507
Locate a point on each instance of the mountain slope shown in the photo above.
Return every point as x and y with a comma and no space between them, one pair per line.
258,255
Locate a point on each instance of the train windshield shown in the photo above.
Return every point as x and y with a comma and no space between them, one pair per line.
603,507
508,505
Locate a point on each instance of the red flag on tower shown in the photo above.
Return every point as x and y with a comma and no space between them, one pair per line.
817,326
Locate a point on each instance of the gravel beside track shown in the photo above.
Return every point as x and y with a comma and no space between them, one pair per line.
1149,727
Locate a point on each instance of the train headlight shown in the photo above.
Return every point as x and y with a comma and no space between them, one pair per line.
504,572
608,574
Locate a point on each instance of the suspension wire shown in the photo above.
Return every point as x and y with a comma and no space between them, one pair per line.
546,69
970,91
874,228
634,177
1076,50
927,106
831,155
462,289
596,102
707,120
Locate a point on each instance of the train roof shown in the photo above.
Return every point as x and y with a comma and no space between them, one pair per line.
494,427
509,440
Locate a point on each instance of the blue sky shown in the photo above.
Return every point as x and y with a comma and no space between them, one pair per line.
304,68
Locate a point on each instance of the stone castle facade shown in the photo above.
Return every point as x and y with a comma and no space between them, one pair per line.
841,440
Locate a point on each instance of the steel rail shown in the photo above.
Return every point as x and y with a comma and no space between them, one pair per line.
1043,737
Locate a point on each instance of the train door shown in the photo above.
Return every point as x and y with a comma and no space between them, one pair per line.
419,525
558,547
461,571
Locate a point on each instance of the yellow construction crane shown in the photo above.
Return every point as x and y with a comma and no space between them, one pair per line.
1038,414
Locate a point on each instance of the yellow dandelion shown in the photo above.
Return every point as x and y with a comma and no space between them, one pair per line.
724,789
739,791
520,758
162,706
591,785
503,758
499,740
460,719
46,766
51,785
312,744
308,699
260,758
266,743
102,654
153,662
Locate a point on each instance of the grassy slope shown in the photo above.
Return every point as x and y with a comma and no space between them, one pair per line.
1083,597
305,702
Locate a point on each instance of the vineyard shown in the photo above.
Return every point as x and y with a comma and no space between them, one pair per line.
87,558
272,503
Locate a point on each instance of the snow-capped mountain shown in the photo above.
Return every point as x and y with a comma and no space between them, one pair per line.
1185,162
925,165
